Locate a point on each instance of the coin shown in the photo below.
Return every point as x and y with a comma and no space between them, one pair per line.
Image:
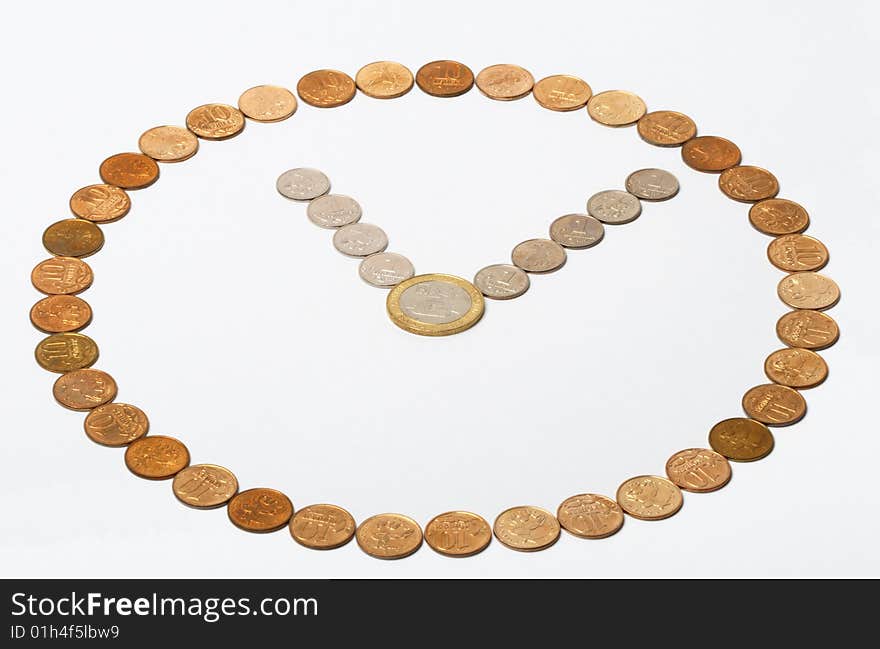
808,290
156,457
61,313
538,256
577,231
502,281
326,88
116,424
260,510
389,536
100,203
748,184
73,238
204,486
168,143
652,184
649,497
84,389
614,207
215,121
741,439
360,239
505,82
590,516
807,329
710,153
698,469
322,527
616,108
302,184
526,528
129,170
796,368
795,252
562,92
445,78
776,216
774,405
458,534
62,276
384,80
65,352
666,128
385,269
435,305
267,103
333,211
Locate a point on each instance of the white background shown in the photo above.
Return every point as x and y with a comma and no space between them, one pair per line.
231,320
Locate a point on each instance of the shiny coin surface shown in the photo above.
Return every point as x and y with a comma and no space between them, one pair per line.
797,252
73,238
260,510
435,305
652,184
215,121
774,405
577,231
65,352
807,329
698,469
384,80
100,203
445,78
562,92
385,269
267,103
389,536
156,457
538,256
590,516
777,216
649,497
526,528
614,207
302,184
502,281
710,153
808,290
616,108
84,389
458,534
505,82
62,276
129,170
204,486
326,88
168,143
360,239
748,184
796,368
322,527
61,313
741,439
333,211
666,128
116,424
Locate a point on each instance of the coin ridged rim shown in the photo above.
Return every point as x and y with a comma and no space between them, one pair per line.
458,555
332,546
640,517
405,322
593,537
545,546
394,557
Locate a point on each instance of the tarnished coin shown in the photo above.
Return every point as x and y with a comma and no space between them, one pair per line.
538,256
129,170
65,352
333,211
698,469
807,329
100,203
156,457
616,108
84,389
385,269
710,153
267,103
666,128
204,486
741,439
326,88
389,536
577,231
322,527
808,290
774,405
360,239
652,184
302,184
116,424
62,276
590,516
505,82
435,305
73,238
384,80
649,497
61,313
526,528
614,207
168,143
215,121
748,184
796,368
562,92
260,510
776,216
797,252
458,534
502,281
445,78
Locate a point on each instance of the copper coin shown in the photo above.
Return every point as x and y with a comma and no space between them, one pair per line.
215,121
796,252
326,88
616,108
62,276
267,103
710,153
73,238
698,469
204,486
445,78
84,389
796,368
776,216
741,439
260,510
458,534
61,313
322,527
129,170
156,457
666,128
807,329
505,82
808,290
649,497
538,256
562,92
590,516
526,528
389,536
384,80
100,203
748,184
774,405
116,424
65,352
168,143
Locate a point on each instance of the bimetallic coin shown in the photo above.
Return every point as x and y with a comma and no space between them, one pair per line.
796,368
710,153
699,470
666,128
590,516
260,510
652,184
538,256
614,207
385,269
156,457
204,486
458,534
326,88
389,536
616,108
116,424
435,305
129,170
562,92
267,103
445,78
100,203
502,281
797,252
302,184
322,527
505,82
741,440
649,497
808,290
774,405
577,231
776,216
360,239
526,528
748,184
84,389
73,238
215,121
62,276
61,313
65,352
384,80
807,329
168,143
333,211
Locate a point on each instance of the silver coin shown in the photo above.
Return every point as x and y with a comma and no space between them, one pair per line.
501,281
652,184
333,211
385,269
302,184
538,256
614,206
576,231
360,239
435,302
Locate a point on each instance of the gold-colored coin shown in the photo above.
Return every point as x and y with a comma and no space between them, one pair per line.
260,510
774,405
445,78
526,528
389,536
710,153
776,216
562,92
808,290
204,486
322,527
156,457
267,103
65,352
505,82
458,534
741,439
116,424
61,313
62,276
215,121
435,305
384,80
590,516
168,143
699,470
326,88
84,389
807,329
796,368
797,252
100,203
748,184
73,238
616,108
129,170
649,497
666,128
